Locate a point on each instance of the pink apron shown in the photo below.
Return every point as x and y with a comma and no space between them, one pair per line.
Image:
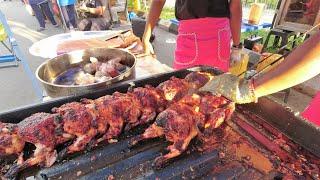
204,41
312,113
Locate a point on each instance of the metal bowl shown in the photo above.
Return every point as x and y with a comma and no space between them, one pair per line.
49,70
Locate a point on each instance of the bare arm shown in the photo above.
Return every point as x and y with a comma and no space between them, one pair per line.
235,20
153,17
301,65
97,11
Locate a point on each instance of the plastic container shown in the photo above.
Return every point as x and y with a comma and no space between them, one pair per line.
238,68
256,11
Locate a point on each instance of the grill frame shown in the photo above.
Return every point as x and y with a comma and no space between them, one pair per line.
194,165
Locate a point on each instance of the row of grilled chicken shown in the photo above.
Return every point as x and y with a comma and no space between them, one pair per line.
182,115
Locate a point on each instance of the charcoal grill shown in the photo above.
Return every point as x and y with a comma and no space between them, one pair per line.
271,133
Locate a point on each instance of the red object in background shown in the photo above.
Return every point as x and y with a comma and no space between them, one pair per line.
55,9
203,41
312,112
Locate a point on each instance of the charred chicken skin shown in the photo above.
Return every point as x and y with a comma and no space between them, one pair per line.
114,112
185,120
44,130
174,89
10,142
217,110
78,120
106,117
152,101
198,79
177,124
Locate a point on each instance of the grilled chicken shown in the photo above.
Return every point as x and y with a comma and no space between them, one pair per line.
128,107
177,124
114,112
174,89
45,132
152,101
198,79
184,120
78,120
10,142
187,117
217,110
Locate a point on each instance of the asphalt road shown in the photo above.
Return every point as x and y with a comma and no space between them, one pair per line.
15,86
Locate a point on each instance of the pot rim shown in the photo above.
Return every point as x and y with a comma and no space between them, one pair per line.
88,85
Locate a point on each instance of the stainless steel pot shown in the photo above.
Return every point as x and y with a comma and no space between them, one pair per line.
49,70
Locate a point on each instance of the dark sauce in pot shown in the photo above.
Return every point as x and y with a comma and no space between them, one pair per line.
67,77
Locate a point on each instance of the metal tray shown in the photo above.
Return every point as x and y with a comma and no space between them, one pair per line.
116,160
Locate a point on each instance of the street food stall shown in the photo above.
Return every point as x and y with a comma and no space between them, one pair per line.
101,132
264,140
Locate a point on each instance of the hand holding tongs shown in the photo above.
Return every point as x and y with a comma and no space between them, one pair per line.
241,90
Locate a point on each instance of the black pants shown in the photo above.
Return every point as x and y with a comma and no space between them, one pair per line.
39,15
93,24
69,15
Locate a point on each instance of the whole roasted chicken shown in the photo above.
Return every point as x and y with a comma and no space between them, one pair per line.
194,115
91,121
44,130
115,113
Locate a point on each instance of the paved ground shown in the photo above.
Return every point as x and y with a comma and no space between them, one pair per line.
164,46
15,86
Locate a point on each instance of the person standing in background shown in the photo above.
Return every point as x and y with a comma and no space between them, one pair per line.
119,6
205,31
40,6
68,12
95,16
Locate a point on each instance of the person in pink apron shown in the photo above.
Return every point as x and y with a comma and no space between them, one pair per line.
205,31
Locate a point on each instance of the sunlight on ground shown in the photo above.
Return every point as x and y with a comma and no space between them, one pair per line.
22,30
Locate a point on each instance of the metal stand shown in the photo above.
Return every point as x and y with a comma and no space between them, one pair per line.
18,54
9,60
278,33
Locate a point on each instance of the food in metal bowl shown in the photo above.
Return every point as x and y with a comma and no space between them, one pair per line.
92,72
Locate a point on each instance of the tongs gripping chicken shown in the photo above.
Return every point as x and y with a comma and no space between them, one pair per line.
238,90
